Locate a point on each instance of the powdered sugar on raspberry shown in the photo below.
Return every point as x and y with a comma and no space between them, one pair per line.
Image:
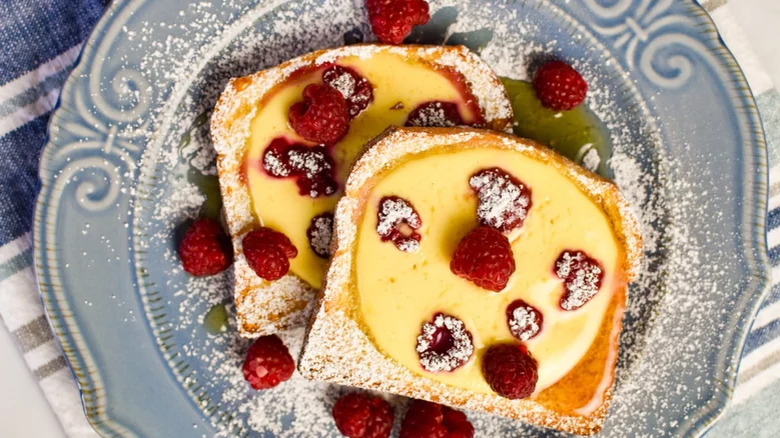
345,84
459,353
581,284
524,323
664,203
320,233
394,211
503,202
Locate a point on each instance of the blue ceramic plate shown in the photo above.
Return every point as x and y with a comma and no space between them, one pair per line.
129,161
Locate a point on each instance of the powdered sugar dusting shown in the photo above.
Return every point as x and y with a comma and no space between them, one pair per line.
662,201
458,351
524,322
320,233
393,212
582,278
503,200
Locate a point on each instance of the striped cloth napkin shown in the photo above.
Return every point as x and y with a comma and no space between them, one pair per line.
41,40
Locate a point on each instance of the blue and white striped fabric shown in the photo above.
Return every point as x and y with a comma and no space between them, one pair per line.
41,40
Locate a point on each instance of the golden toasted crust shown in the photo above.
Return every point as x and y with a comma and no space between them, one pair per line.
266,307
337,349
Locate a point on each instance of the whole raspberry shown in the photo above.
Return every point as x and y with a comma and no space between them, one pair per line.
205,249
392,20
267,363
322,116
559,86
362,416
510,371
267,253
430,420
485,258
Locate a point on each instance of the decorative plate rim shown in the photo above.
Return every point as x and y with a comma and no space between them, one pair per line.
92,389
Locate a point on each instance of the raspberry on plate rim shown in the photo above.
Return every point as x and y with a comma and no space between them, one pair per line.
559,86
359,415
268,363
205,249
431,420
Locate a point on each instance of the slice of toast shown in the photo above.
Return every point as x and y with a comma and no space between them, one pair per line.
363,329
265,307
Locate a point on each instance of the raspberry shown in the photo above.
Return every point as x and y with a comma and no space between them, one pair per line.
322,116
444,344
559,86
362,416
510,371
435,114
392,20
431,420
267,252
320,232
311,166
205,249
503,200
523,319
485,258
582,277
267,363
393,213
356,89
276,163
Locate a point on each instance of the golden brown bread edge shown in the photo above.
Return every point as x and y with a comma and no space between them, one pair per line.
266,307
337,350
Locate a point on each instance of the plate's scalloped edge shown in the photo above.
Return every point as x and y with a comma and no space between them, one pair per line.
92,388
55,303
754,213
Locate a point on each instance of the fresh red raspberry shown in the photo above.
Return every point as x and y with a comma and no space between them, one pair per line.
559,86
485,258
361,416
392,20
510,371
435,114
356,89
267,252
267,363
322,116
430,420
205,249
